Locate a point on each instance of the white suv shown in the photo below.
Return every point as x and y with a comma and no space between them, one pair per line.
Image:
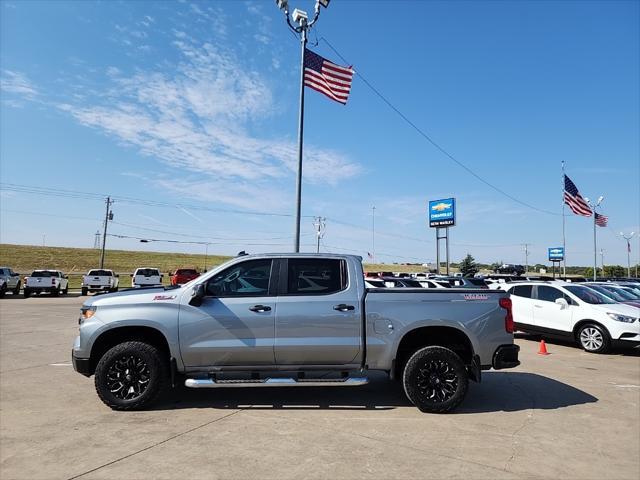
573,311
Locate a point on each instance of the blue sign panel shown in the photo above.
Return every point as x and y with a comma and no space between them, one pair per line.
442,213
556,254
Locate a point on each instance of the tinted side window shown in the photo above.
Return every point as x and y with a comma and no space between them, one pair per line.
548,294
248,279
522,291
316,276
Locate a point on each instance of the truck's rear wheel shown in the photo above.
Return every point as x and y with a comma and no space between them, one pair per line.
16,290
435,379
55,292
27,292
130,376
84,291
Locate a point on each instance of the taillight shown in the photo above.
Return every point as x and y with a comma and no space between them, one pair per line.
53,281
508,319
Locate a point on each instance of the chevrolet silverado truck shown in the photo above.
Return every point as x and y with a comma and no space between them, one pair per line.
100,280
9,281
292,320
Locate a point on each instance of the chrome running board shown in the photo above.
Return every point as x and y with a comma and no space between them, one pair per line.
276,382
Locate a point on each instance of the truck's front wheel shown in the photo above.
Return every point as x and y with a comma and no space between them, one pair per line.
435,379
130,376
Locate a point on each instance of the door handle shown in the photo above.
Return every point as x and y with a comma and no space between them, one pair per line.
260,308
538,306
343,307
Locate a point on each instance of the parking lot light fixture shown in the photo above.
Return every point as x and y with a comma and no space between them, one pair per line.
628,239
299,23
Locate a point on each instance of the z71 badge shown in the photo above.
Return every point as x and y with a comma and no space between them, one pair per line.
475,296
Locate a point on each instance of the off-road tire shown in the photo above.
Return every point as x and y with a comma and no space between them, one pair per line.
84,291
55,292
107,372
16,290
594,338
26,293
435,379
3,290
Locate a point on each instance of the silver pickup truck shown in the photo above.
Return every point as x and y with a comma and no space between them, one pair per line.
292,320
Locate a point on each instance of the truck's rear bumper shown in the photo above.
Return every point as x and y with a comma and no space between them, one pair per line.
506,356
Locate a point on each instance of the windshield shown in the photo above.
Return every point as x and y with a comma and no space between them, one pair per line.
609,292
147,272
44,274
589,295
621,292
100,273
186,271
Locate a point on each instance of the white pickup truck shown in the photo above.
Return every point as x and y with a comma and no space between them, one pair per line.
9,281
100,281
146,277
46,281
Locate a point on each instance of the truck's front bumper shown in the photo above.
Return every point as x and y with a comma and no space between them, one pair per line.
81,365
506,356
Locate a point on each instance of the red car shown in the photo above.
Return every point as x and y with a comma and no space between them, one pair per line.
183,275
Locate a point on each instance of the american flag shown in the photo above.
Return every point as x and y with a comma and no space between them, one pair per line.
572,197
328,78
601,220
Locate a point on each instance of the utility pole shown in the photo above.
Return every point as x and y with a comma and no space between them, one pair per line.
303,26
628,239
96,240
320,229
373,234
602,260
107,216
526,257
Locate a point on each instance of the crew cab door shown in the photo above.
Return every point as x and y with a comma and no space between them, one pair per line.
235,323
319,313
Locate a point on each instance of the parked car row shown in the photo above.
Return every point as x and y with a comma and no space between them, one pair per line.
101,280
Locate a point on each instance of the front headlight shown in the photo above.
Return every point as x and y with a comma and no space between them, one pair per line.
621,318
86,313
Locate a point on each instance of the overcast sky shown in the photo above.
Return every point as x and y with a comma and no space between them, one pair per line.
196,103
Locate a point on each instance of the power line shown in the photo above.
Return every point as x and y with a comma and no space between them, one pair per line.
434,143
131,200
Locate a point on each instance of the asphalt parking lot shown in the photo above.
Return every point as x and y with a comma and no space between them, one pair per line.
566,415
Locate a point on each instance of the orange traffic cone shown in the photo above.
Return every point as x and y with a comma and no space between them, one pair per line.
543,348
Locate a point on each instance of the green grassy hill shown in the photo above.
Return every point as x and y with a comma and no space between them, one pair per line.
25,258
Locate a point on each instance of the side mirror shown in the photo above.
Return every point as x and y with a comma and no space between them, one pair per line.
131,275
197,295
562,302
117,275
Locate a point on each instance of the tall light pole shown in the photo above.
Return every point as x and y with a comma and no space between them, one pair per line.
373,234
526,257
321,226
595,243
628,239
302,27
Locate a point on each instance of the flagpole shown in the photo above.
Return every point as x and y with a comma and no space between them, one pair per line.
564,246
303,45
595,246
